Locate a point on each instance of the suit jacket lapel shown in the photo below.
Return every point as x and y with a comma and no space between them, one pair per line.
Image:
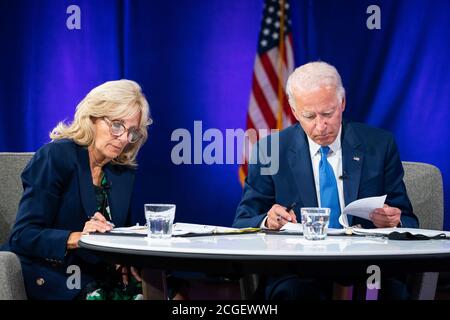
86,186
352,162
119,194
300,163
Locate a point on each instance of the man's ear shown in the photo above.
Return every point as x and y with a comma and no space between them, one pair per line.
343,104
295,114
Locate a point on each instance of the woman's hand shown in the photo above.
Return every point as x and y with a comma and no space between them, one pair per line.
72,241
125,271
97,223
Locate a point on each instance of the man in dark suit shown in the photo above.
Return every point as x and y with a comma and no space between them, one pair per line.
323,161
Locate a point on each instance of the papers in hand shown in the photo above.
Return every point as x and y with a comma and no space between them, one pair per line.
361,208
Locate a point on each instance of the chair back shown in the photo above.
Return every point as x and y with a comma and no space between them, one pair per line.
11,167
424,187
425,191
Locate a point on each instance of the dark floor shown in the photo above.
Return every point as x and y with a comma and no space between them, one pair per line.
230,289
214,291
442,295
443,289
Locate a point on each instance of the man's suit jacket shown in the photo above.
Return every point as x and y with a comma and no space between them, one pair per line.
370,161
58,199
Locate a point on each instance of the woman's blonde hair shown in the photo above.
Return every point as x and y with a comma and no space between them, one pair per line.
119,99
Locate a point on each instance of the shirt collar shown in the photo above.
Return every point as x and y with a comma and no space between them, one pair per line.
335,146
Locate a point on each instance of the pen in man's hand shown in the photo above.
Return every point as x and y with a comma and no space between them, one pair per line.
291,207
288,209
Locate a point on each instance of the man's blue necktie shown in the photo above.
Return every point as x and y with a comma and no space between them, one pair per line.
329,196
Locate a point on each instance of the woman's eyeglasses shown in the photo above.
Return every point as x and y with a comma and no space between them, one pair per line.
116,128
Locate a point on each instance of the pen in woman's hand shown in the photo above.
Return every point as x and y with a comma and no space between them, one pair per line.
111,224
97,219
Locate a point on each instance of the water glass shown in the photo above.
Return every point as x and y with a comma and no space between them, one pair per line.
315,222
159,219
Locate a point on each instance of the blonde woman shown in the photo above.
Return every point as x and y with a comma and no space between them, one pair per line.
81,182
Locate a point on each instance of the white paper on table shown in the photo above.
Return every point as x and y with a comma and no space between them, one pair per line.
298,228
361,208
292,227
181,228
137,229
387,231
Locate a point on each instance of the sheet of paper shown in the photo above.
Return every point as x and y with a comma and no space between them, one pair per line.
178,229
292,227
130,230
361,208
181,228
387,231
298,228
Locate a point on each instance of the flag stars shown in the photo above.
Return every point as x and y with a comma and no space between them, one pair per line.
276,20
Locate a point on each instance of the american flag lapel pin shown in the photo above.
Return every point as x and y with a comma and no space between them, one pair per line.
356,158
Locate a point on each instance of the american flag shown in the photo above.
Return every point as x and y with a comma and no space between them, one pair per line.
268,107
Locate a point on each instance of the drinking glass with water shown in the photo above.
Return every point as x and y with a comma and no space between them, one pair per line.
315,222
159,219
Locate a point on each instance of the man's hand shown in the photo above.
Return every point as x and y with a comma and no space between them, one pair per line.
278,217
386,217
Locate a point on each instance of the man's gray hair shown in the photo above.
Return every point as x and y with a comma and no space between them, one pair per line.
312,76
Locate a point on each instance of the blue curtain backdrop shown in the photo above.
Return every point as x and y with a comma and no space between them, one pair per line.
194,60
